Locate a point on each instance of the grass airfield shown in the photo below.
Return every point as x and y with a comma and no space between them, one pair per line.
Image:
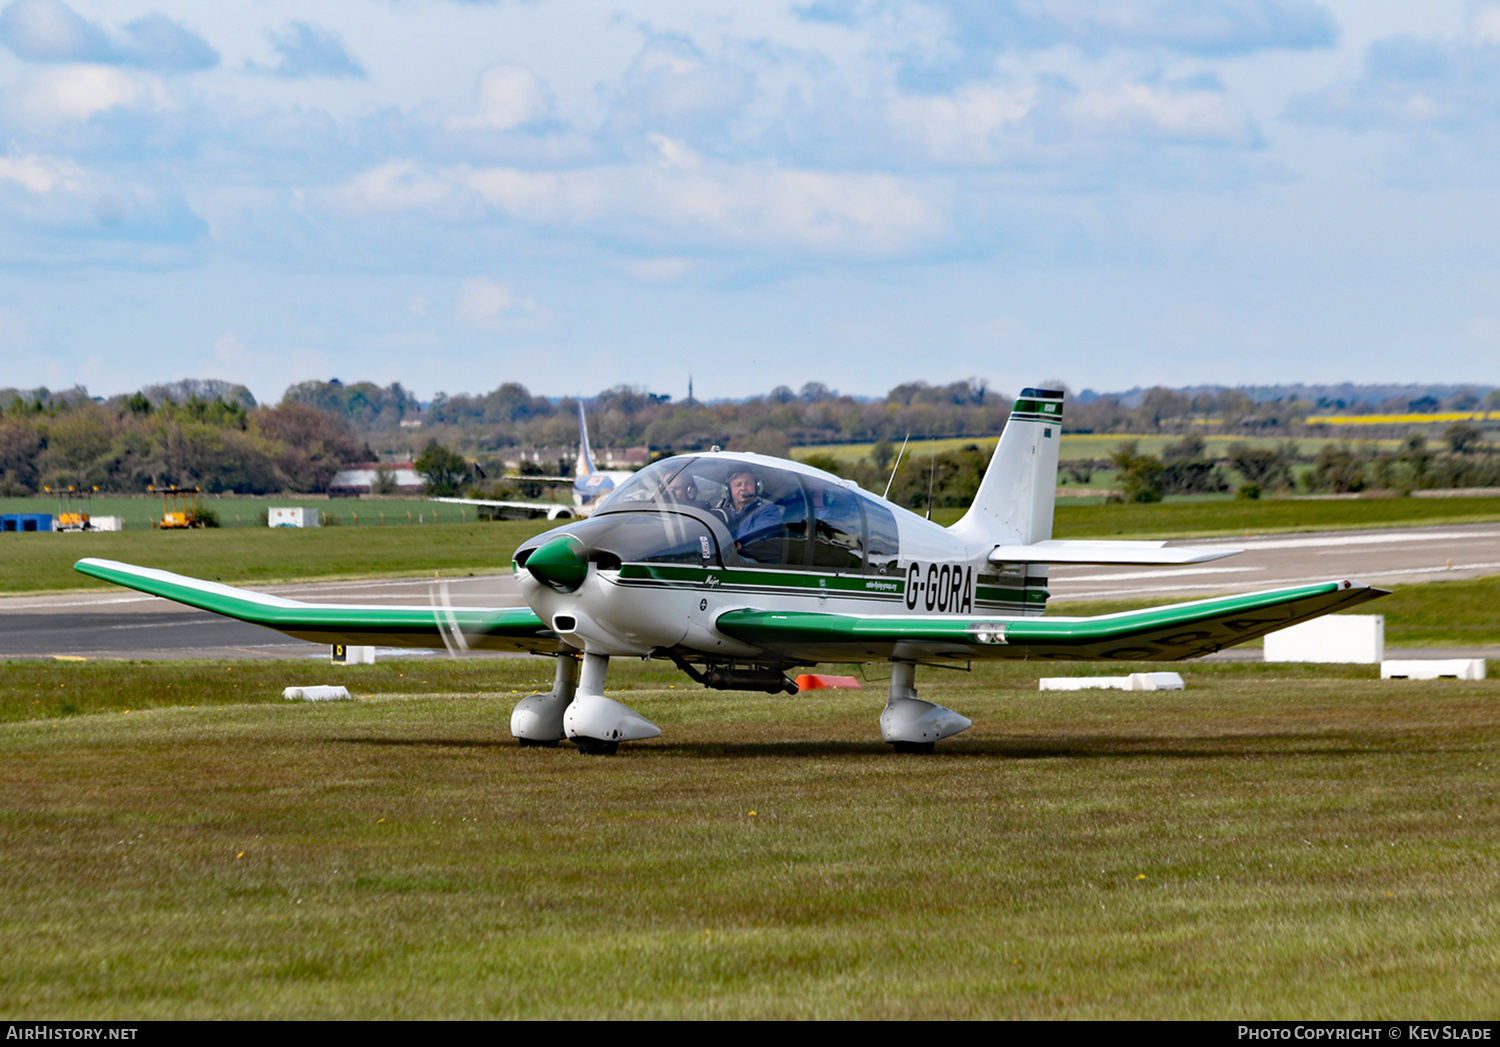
1272,842
1275,842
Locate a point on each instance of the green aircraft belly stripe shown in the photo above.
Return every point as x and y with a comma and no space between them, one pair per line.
813,628
731,578
499,629
1006,592
760,591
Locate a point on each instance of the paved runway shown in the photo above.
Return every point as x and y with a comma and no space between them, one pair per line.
122,624
125,624
1396,556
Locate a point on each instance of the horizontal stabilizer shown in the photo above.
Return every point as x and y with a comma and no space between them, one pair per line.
1167,633
500,629
1090,552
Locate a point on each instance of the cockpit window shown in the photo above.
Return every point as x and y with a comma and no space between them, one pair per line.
840,536
774,516
882,545
657,484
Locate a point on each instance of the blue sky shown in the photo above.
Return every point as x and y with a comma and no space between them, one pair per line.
858,192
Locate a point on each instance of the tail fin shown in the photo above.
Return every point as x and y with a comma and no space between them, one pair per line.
585,456
1015,498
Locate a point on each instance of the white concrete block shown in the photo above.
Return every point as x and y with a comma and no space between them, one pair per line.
1333,638
1157,682
1432,668
348,654
1133,682
315,694
1083,683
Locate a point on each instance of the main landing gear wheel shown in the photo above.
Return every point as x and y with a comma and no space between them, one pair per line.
539,743
910,724
596,746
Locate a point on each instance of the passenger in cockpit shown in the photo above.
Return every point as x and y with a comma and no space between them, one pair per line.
683,490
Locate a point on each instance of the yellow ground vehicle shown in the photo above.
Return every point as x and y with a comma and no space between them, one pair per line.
179,508
73,507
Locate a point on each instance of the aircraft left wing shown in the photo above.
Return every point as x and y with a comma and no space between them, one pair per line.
526,510
500,629
1167,633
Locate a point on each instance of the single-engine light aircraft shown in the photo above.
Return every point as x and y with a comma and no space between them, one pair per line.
591,485
739,567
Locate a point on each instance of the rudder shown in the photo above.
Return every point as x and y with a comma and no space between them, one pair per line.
1015,499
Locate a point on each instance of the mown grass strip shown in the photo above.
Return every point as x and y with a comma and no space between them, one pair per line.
1267,844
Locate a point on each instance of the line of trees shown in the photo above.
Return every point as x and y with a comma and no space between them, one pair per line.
511,416
128,443
212,434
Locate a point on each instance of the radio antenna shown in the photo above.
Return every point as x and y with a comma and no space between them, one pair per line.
932,448
887,495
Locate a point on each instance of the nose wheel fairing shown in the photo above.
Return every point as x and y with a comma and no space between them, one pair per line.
911,724
537,719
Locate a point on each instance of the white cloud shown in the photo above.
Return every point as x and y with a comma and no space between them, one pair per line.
657,270
77,92
508,96
964,127
400,185
672,86
42,174
712,205
1484,24
51,31
493,306
1412,83
1146,110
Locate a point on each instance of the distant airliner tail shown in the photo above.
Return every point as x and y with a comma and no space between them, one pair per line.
1014,503
585,455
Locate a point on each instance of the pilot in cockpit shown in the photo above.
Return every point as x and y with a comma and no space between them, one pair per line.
750,517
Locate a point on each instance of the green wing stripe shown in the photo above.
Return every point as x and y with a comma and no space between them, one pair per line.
1154,634
503,629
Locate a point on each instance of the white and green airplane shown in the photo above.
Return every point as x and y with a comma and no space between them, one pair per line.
739,568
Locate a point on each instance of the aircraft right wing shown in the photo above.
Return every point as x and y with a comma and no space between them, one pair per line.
501,629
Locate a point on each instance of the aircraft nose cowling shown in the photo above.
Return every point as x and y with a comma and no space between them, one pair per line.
560,564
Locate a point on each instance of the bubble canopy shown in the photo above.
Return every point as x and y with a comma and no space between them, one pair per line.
795,517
